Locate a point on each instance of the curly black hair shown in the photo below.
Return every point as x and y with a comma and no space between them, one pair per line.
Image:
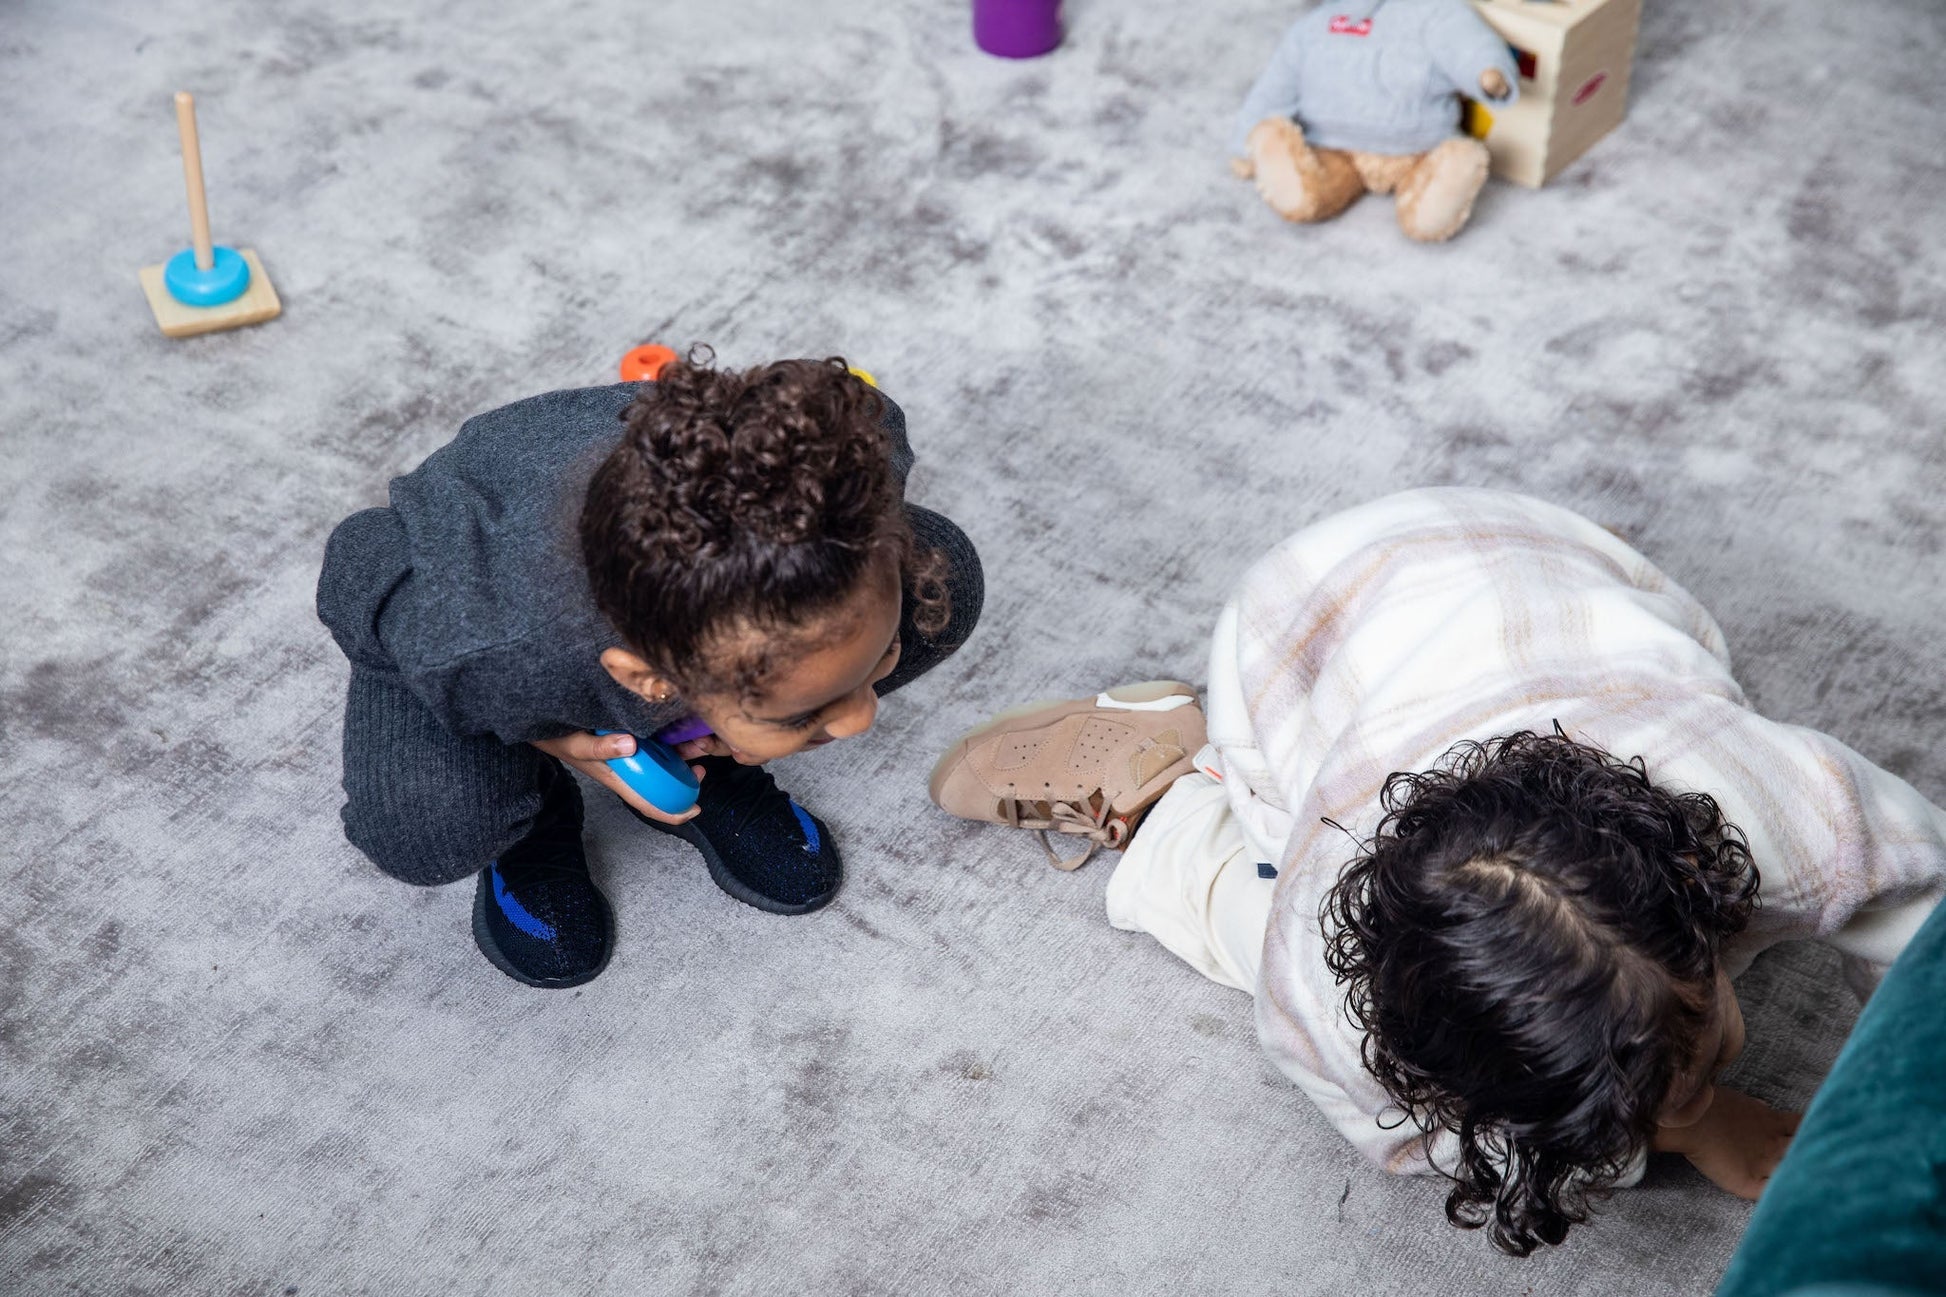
1529,943
758,500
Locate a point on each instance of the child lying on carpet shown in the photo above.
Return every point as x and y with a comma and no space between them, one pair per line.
1521,979
715,551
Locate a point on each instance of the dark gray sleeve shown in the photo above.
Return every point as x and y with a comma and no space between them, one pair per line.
366,559
893,421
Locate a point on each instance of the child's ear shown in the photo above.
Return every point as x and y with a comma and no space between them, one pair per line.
636,675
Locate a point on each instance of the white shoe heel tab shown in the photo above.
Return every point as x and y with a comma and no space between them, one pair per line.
1108,702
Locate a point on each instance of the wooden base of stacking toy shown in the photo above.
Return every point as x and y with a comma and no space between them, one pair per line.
178,320
1574,58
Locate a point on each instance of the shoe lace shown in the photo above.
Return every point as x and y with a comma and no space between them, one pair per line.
1086,815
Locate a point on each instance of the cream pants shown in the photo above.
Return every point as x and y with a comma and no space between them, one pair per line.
1189,879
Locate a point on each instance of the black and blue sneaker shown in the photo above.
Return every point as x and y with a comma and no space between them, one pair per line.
761,847
537,915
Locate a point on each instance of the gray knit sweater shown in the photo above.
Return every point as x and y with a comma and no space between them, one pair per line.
1378,76
470,586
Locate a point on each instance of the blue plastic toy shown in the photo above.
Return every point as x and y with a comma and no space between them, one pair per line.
657,775
226,279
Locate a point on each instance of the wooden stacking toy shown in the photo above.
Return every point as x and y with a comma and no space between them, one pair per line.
204,287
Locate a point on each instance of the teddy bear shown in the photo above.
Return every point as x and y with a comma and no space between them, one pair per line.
1360,97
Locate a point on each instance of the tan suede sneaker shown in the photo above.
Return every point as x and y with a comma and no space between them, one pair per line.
1089,767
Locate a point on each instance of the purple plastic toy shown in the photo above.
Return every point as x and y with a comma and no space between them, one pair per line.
1017,29
683,731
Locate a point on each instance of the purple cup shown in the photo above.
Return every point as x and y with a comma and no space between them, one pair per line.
1017,29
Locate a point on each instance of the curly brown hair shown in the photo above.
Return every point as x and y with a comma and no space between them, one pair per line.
759,500
1529,942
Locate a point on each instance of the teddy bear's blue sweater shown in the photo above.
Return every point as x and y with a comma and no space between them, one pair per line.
1378,75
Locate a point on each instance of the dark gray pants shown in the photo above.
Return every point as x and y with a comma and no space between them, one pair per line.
431,808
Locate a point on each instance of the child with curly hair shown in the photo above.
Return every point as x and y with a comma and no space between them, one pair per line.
722,559
1562,814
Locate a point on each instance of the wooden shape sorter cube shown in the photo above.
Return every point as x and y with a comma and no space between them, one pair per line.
1574,58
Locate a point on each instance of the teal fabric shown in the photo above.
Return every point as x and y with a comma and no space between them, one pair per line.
1858,1207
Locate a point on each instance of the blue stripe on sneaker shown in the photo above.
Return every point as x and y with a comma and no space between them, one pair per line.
812,843
517,913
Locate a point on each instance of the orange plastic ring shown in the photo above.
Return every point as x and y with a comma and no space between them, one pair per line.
645,362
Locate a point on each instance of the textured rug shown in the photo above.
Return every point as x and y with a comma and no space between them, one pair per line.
235,1059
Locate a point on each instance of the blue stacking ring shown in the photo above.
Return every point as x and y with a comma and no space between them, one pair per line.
660,777
225,280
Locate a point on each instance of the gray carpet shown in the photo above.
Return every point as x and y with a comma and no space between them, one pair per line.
235,1059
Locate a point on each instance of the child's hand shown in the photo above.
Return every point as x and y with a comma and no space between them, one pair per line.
713,745
1737,1142
590,754
709,745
